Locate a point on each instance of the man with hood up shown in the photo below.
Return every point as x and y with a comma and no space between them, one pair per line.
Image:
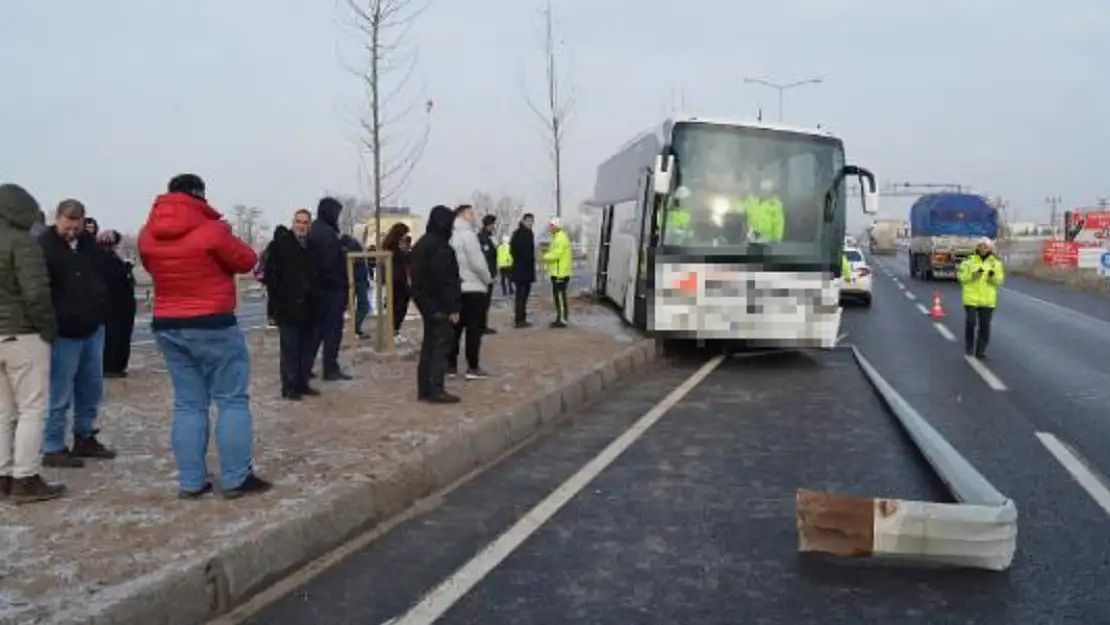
289,277
437,292
27,328
329,257
193,257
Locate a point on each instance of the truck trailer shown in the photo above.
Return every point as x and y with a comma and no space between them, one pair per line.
882,237
944,230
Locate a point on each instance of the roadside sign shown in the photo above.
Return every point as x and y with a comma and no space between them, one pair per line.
1104,264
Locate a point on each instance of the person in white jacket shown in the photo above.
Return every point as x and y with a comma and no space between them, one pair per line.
475,277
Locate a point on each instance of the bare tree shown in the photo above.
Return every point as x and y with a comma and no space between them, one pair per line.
557,106
506,209
247,224
387,69
355,213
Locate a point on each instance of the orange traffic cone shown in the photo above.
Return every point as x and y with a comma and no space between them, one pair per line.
937,312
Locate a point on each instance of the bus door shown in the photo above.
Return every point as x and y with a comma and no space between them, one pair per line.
603,251
648,237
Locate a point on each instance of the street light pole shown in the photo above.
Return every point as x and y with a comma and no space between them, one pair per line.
782,88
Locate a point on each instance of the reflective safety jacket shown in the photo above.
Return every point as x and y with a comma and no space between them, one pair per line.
559,257
981,290
504,256
765,217
846,270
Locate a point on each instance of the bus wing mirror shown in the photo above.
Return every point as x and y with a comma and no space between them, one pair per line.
869,191
661,173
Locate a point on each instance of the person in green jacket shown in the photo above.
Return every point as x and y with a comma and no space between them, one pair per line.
505,266
766,216
980,275
27,329
846,270
559,260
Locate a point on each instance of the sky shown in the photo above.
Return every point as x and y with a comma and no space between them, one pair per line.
105,101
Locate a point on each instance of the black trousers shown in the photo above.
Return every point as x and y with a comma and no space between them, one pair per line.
328,307
559,294
400,303
472,322
977,317
432,366
506,283
489,302
296,344
117,338
520,302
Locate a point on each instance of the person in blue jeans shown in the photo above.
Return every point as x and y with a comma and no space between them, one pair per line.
193,257
80,301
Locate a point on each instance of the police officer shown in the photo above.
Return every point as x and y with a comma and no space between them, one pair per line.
980,275
766,217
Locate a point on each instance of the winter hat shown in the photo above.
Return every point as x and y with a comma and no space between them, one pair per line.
189,184
556,222
489,220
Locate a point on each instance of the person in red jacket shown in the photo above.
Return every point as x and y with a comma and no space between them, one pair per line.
193,258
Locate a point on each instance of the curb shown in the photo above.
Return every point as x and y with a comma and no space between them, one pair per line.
197,591
978,532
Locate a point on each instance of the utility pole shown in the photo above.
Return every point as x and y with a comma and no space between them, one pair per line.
782,88
1053,208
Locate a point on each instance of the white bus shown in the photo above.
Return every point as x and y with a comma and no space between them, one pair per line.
708,275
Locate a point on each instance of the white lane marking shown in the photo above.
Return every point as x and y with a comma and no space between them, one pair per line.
944,331
455,587
909,295
988,376
1078,469
922,308
1058,308
901,287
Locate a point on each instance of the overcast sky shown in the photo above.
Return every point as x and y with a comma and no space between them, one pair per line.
106,100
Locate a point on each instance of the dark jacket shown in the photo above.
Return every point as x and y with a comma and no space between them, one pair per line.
362,267
25,302
290,275
76,287
436,287
401,262
523,248
119,282
328,255
489,250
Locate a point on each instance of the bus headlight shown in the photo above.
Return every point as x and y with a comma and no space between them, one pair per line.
718,208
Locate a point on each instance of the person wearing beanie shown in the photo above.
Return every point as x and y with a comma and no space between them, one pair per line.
329,257
193,257
486,237
119,277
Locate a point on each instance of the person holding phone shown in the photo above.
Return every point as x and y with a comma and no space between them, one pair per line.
980,275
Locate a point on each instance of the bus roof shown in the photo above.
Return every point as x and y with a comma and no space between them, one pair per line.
663,130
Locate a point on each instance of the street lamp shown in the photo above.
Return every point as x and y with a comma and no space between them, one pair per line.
782,88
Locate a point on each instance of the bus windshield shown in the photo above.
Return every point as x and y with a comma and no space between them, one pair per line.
752,190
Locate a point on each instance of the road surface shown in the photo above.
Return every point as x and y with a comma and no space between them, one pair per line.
693,521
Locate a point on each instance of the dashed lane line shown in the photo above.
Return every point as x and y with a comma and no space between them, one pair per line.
944,331
922,308
988,376
1078,469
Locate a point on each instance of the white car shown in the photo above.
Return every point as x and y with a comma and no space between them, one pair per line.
857,286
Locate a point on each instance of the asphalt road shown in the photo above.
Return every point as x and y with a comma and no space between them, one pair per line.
694,522
1049,348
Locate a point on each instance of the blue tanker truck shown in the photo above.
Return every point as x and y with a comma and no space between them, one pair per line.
944,230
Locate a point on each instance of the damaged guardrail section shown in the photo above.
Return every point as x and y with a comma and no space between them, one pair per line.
978,532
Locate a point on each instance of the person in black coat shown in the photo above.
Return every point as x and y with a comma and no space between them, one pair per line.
329,257
289,274
399,243
119,280
489,249
522,246
437,291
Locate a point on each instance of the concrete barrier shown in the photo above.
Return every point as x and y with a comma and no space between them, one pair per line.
198,590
